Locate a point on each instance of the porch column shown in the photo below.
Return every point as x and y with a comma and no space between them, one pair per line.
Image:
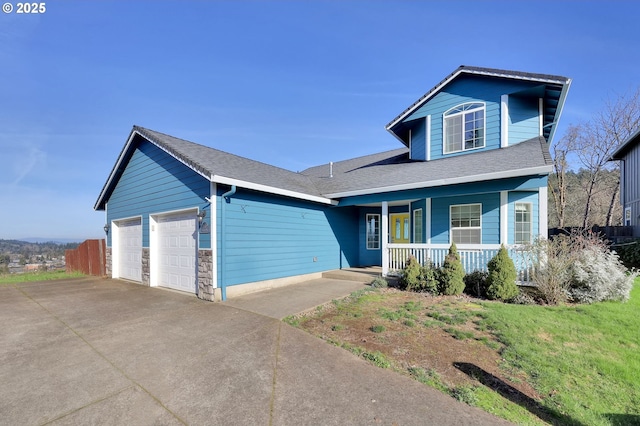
384,234
504,214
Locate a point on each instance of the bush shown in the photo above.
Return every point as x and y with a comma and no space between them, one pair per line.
475,283
629,254
580,268
501,281
379,282
419,278
452,273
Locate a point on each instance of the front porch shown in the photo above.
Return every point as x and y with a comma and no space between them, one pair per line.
474,257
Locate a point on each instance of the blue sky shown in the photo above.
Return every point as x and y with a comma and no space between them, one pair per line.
294,84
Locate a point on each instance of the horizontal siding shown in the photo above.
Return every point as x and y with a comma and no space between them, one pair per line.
524,119
264,237
154,182
440,221
418,140
468,89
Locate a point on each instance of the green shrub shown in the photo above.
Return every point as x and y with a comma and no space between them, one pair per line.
475,283
629,253
379,282
452,274
501,281
419,278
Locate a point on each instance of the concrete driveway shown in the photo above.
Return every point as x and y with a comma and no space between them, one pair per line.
96,351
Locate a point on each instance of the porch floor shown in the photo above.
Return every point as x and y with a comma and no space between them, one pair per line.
365,274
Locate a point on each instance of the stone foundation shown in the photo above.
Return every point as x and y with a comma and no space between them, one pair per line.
205,275
108,269
146,270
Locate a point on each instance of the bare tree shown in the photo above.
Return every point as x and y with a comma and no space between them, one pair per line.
558,183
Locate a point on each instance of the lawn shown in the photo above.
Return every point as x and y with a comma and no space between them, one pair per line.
573,365
38,276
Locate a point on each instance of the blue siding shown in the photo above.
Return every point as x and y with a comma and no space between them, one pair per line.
154,182
418,140
522,197
524,119
468,89
266,237
490,217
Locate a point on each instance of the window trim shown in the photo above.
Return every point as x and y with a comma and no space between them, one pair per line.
368,216
416,222
462,110
451,228
515,221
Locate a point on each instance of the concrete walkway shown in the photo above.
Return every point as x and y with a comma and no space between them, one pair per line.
107,352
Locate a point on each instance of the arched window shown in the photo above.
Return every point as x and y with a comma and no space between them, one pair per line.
464,127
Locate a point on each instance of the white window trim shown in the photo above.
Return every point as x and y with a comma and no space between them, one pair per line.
366,233
515,221
414,221
466,227
448,114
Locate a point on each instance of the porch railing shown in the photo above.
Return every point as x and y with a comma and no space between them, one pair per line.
474,257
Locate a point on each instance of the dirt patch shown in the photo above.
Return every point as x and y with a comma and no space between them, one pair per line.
441,335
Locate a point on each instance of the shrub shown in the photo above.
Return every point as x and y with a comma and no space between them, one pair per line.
475,283
629,253
379,282
452,273
419,278
501,281
579,267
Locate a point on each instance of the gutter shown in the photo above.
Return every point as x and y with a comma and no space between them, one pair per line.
223,272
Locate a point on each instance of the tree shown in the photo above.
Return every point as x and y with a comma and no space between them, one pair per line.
590,144
452,273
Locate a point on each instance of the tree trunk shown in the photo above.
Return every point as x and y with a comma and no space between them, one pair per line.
613,202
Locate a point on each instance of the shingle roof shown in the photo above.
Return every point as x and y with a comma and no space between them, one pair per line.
372,172
393,168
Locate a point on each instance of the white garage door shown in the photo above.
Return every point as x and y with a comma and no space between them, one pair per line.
178,251
130,249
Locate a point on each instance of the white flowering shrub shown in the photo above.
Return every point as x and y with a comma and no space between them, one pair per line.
598,275
578,268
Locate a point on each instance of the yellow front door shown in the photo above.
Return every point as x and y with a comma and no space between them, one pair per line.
399,227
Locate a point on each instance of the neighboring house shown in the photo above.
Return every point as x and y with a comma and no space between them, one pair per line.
629,156
472,169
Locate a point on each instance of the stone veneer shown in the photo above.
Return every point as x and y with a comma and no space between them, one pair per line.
205,275
107,267
146,271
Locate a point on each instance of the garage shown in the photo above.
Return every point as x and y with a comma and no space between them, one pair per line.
177,251
128,247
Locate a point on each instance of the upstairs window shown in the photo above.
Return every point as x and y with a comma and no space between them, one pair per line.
464,127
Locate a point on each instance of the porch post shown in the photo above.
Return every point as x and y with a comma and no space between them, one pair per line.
504,214
384,234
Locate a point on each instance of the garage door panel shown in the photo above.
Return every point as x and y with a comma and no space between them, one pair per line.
178,252
130,249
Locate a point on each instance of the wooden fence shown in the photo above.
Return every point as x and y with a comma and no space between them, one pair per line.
89,258
615,234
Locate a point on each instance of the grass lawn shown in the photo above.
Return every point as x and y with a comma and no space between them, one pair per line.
570,365
38,276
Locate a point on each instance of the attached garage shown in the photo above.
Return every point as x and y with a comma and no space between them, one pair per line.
127,246
176,243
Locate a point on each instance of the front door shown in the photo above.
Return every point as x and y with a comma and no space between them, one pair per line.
399,227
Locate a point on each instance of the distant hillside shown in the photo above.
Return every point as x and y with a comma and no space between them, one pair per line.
28,250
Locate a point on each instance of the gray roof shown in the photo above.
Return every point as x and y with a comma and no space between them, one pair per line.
393,168
626,146
370,172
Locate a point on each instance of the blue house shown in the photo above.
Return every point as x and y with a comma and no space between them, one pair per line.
471,168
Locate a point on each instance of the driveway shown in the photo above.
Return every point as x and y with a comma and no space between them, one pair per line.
97,351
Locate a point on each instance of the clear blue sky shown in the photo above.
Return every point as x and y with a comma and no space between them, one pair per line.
293,84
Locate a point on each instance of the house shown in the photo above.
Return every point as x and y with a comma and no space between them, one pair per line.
471,168
629,156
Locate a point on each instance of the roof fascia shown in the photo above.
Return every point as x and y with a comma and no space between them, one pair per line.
621,151
540,170
271,190
563,97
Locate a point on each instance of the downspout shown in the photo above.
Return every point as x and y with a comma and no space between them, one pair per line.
227,199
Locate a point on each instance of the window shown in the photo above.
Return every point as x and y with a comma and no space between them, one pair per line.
417,226
466,227
373,231
464,127
523,223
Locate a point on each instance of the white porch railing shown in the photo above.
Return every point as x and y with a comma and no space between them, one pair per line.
474,257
